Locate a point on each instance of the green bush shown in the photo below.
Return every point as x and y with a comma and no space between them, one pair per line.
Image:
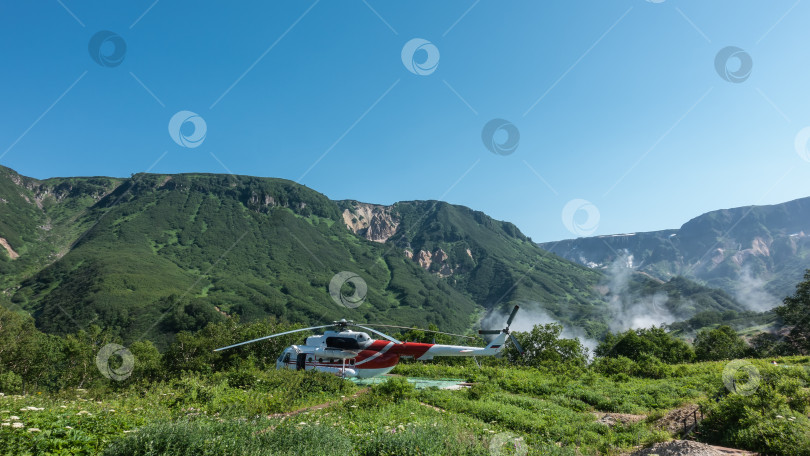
480,390
719,344
770,420
636,343
394,389
208,438
651,367
613,366
10,383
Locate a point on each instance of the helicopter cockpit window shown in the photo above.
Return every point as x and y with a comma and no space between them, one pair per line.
286,357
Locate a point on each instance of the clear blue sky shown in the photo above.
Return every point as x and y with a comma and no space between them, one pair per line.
632,114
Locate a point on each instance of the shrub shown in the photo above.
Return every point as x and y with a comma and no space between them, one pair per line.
480,390
394,389
10,383
719,344
636,343
770,418
651,367
544,347
613,366
206,438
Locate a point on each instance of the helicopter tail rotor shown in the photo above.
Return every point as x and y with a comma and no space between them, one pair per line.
505,332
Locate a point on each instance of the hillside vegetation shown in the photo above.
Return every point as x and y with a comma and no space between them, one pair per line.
151,255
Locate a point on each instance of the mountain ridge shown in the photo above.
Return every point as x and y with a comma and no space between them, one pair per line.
184,249
739,249
154,254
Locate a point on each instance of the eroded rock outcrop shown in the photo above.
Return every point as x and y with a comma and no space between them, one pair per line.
372,221
4,243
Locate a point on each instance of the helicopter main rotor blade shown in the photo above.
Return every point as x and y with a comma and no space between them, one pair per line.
418,329
490,331
517,344
512,316
380,333
273,335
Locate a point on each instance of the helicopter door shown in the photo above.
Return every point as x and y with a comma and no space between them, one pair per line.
300,362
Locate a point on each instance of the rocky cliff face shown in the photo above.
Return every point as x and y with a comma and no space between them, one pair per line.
435,261
11,253
379,223
372,221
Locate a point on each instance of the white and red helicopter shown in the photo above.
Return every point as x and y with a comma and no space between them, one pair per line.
350,353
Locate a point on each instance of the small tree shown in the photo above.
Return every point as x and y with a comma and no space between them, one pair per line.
719,344
638,343
796,313
543,346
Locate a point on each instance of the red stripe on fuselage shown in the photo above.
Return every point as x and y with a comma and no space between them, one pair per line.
378,355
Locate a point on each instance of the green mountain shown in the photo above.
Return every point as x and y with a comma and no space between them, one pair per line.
756,253
152,255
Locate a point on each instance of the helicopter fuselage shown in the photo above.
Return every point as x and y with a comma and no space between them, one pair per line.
354,354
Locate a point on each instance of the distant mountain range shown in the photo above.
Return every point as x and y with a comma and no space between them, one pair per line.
151,255
755,253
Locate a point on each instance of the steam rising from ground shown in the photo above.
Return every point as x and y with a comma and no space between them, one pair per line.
628,310
750,291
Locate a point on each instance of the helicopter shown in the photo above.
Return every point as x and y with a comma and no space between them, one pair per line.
347,353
